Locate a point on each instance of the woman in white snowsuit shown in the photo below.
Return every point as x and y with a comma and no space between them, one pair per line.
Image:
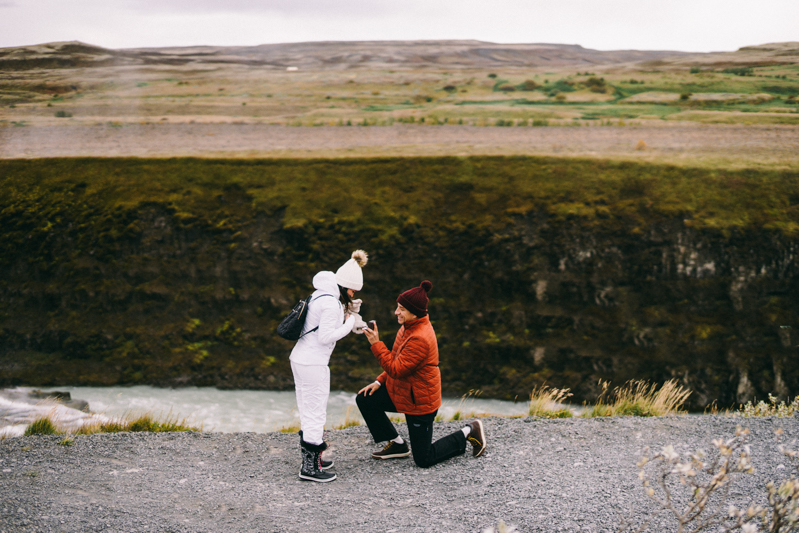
327,321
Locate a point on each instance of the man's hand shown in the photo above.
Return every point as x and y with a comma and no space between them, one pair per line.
371,334
369,389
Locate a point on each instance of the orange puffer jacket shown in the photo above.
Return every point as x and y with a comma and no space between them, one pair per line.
411,375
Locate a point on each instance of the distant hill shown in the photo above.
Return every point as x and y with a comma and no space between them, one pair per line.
330,55
382,55
748,56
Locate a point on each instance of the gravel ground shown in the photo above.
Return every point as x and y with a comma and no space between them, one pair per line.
538,475
665,141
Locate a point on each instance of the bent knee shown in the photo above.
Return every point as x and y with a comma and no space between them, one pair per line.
360,400
422,462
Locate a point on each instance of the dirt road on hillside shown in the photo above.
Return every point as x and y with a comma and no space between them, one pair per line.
729,146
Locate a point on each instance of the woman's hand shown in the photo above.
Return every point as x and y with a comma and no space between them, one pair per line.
370,389
371,334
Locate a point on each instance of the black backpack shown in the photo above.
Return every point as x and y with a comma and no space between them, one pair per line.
291,326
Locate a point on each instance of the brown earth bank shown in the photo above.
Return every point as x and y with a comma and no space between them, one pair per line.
574,475
707,145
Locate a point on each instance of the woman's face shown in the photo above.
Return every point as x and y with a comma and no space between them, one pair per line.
350,293
403,315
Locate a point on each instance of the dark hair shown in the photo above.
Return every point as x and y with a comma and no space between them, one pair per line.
344,296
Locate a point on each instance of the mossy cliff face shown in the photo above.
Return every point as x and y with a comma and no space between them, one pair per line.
565,272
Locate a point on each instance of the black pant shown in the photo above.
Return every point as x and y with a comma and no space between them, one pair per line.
426,453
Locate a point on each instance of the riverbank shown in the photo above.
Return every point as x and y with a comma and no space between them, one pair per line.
539,475
206,408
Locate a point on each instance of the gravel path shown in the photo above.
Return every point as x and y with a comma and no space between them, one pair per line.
539,475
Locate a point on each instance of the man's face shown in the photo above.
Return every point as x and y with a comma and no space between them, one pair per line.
403,315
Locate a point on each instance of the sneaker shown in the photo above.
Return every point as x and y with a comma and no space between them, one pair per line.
392,450
477,438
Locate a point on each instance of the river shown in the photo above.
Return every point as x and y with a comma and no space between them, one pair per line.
256,411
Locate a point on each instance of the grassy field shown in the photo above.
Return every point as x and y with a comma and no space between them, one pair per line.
381,97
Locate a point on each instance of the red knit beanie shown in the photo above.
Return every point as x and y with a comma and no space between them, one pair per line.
415,300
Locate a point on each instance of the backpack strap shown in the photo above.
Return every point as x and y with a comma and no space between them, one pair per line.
317,327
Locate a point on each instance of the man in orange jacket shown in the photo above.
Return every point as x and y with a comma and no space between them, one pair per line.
411,384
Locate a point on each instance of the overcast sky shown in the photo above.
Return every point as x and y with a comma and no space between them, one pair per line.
688,25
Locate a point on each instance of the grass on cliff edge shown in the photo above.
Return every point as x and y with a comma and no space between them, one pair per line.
388,193
142,423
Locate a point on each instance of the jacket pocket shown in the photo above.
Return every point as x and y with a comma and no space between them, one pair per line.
413,399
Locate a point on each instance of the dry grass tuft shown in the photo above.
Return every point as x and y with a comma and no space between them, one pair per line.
142,423
42,426
350,420
640,398
544,402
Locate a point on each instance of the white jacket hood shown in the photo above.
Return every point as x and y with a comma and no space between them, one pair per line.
325,283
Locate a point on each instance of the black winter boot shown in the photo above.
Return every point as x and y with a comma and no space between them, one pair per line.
325,464
311,469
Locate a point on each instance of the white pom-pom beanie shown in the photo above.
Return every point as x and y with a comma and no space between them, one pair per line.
350,275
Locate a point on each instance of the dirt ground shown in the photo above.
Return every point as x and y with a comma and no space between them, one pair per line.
689,144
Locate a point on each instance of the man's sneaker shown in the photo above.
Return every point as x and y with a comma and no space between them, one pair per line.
392,450
477,438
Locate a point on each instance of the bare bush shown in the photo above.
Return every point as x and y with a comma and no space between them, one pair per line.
708,481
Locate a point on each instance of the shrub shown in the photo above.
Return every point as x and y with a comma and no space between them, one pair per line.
529,85
506,88
63,114
538,122
769,409
564,86
685,96
709,480
492,75
450,88
41,426
739,71
560,97
695,70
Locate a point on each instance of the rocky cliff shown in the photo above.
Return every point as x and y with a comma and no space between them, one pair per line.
564,272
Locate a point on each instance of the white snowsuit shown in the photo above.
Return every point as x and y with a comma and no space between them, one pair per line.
311,354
